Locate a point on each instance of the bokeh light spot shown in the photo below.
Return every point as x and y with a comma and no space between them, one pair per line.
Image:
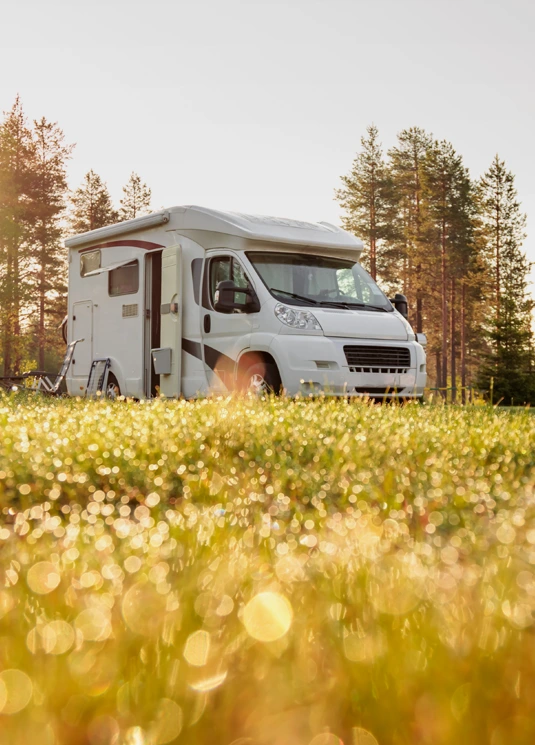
197,648
363,737
167,723
103,730
268,616
43,577
326,738
132,564
93,624
63,636
144,609
18,688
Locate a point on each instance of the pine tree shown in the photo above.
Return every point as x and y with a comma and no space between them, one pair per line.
407,159
367,197
449,227
91,205
509,359
49,205
502,223
136,198
17,152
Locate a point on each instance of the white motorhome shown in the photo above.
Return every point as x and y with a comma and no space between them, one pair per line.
190,301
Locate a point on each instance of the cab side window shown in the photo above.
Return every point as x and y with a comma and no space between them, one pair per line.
227,267
219,271
240,280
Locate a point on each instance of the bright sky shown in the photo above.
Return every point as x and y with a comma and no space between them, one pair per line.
259,105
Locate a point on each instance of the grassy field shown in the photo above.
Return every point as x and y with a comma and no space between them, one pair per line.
266,573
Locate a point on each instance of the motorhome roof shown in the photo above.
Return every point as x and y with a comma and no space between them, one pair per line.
249,227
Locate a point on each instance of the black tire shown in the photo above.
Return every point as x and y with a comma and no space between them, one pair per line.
262,379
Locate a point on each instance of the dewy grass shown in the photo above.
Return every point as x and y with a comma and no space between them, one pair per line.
265,573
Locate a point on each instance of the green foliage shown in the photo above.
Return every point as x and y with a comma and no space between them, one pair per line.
509,356
17,151
47,250
32,267
273,570
453,245
91,206
368,199
509,360
136,198
406,167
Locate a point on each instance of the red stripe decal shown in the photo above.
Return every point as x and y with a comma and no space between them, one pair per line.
146,245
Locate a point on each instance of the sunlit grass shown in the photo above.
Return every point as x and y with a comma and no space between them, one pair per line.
266,573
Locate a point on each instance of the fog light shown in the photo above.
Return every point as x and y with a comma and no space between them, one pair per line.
310,386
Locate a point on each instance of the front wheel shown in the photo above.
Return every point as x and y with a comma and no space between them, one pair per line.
262,379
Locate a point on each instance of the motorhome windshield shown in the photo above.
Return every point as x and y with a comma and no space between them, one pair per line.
318,280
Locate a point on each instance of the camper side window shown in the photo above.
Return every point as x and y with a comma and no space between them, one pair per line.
89,262
124,280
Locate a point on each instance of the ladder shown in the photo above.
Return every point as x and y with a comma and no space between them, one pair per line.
98,377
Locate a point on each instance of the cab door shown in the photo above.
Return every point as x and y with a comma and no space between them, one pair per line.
225,335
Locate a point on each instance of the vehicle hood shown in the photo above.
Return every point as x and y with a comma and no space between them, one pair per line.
361,324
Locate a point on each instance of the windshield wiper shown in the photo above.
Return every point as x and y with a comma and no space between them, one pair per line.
294,295
339,304
376,307
344,304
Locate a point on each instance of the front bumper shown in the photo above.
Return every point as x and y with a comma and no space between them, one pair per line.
318,364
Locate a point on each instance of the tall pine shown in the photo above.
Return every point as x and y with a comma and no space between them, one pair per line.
49,206
509,358
136,198
447,192
91,205
367,198
407,160
17,153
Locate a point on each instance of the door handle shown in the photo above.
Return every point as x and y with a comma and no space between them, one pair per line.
207,323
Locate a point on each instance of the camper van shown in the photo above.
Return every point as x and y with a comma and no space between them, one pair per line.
191,301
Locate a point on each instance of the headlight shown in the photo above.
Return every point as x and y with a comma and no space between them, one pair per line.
408,328
297,319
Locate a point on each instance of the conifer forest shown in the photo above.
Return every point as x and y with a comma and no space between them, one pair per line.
451,242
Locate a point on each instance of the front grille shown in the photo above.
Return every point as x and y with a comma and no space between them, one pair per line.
366,359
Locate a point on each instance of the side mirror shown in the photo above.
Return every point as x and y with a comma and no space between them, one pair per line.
421,339
229,297
400,304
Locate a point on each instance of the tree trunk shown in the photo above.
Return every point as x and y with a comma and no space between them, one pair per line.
452,344
17,357
7,312
418,282
373,233
463,342
41,330
444,287
498,279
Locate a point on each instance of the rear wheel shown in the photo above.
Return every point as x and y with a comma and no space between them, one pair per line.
262,378
112,387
